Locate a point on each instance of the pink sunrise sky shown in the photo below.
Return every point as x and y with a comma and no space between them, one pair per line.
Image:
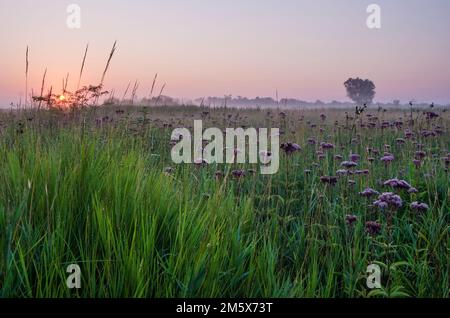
304,49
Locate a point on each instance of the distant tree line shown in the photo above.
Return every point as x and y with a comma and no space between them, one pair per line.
360,91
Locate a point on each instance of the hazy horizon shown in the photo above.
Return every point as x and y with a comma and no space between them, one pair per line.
302,49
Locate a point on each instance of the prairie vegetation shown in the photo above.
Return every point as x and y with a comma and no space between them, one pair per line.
95,186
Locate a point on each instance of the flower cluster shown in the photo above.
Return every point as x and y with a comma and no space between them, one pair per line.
290,148
350,219
369,192
387,159
329,179
419,207
373,228
388,200
397,184
326,145
349,164
238,174
354,157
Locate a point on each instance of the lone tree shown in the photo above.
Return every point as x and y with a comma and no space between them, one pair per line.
360,91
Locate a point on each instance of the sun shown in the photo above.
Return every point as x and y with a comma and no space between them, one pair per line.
62,98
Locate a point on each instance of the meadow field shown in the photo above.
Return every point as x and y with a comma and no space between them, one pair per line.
97,187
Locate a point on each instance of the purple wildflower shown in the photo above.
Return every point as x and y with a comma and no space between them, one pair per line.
419,207
438,131
385,125
238,173
412,190
349,164
326,145
350,219
355,157
409,134
417,163
420,154
373,228
388,199
329,179
387,159
368,192
431,115
397,184
342,172
290,148
398,123
427,133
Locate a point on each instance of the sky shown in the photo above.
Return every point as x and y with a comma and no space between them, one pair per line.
303,49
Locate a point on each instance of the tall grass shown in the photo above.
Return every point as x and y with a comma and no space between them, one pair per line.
42,89
111,54
82,66
97,195
26,77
